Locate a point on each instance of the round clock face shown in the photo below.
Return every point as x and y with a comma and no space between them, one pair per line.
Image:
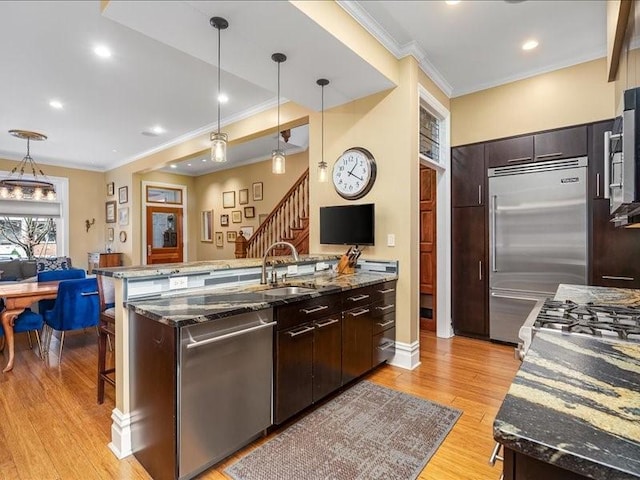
354,173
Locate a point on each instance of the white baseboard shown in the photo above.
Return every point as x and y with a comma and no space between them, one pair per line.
407,355
120,434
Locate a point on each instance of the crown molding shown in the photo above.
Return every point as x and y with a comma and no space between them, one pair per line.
361,16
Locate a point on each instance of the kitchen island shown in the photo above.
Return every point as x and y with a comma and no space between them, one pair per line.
573,409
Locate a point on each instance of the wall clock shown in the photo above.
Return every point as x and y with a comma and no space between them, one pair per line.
354,173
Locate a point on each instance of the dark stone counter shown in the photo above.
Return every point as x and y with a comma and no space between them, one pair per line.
196,306
575,403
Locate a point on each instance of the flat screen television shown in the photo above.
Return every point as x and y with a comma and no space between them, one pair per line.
347,225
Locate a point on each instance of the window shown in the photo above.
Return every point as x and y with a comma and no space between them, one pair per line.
430,135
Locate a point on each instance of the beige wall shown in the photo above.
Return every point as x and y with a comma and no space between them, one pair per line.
570,96
87,191
208,195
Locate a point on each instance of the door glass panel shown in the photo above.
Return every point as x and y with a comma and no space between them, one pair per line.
164,230
164,195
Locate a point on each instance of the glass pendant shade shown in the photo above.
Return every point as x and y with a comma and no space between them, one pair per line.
219,147
323,172
278,162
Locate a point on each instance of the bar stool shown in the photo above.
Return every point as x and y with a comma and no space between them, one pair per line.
106,330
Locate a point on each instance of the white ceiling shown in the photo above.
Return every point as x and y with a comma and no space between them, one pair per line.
164,65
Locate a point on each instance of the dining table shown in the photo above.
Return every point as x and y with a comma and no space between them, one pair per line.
17,297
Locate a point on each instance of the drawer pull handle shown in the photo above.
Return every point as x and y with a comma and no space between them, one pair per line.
357,298
613,277
494,455
386,345
549,155
385,323
359,312
304,330
386,307
387,290
331,321
521,159
314,310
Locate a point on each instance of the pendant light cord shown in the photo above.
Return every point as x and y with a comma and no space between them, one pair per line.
278,132
218,99
322,133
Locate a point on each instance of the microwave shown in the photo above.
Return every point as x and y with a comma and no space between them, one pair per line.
622,162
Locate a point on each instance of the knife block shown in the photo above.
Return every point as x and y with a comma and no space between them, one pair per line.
344,267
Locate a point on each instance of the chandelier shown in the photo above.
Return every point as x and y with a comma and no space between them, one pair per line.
20,185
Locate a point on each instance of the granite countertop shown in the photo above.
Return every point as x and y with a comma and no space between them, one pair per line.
196,306
141,271
575,403
599,295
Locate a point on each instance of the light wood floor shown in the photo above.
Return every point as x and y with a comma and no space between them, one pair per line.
52,428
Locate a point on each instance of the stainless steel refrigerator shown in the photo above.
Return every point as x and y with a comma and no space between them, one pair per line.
537,238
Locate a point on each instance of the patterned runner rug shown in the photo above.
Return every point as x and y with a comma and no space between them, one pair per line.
367,432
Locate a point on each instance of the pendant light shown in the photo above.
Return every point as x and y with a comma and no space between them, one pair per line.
278,158
323,169
219,140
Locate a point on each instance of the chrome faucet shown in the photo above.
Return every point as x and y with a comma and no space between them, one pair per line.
263,277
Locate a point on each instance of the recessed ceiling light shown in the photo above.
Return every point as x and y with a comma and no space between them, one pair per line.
452,2
158,130
529,44
102,51
173,165
55,104
114,150
204,159
222,98
188,164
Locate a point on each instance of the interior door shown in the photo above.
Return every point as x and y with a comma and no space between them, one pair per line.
428,245
164,235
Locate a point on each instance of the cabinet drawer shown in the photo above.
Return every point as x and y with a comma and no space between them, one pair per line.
384,322
384,346
565,143
357,297
511,151
385,292
294,314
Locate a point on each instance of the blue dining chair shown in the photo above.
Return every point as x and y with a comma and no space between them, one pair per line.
50,276
76,306
28,321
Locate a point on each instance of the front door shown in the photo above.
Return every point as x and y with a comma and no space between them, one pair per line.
164,235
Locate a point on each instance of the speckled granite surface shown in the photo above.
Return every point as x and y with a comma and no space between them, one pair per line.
598,295
575,403
191,267
207,304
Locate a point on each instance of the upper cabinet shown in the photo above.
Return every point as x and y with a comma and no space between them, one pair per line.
468,176
553,145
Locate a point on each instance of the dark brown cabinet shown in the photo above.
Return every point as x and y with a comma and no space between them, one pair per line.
518,466
357,332
468,176
615,251
510,151
469,282
559,144
327,356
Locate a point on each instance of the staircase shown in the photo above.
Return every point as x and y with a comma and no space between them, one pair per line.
289,222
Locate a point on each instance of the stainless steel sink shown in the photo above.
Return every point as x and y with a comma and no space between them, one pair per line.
284,291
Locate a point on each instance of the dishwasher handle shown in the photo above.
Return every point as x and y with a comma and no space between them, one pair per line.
230,335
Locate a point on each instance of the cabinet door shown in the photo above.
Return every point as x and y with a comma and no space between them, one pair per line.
558,144
294,371
596,157
615,251
510,151
467,176
469,282
357,331
327,356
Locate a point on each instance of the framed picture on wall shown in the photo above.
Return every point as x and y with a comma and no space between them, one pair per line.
236,216
219,239
249,212
257,191
123,216
231,236
243,196
123,194
229,199
206,226
110,211
224,220
247,232
110,234
110,189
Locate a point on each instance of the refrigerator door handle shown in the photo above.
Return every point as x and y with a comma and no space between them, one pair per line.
494,205
513,297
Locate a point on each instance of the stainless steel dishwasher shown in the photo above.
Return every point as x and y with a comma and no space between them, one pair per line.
225,387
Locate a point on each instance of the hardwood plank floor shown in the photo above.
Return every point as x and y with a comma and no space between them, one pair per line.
52,428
